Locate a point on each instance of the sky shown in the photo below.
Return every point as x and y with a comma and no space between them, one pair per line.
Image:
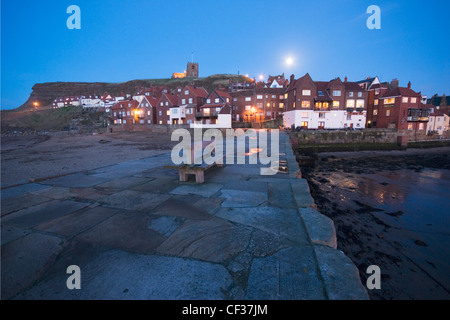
145,39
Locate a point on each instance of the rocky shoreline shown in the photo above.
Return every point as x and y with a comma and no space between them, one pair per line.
367,231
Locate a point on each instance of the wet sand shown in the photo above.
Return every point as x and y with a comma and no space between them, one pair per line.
38,156
390,209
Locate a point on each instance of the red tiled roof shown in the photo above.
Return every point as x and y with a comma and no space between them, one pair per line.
223,94
401,91
124,104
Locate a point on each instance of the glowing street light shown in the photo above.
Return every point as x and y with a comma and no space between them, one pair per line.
261,77
36,104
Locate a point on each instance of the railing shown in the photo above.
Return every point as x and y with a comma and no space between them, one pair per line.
411,118
206,115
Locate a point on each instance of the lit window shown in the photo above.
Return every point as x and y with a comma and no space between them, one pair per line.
148,113
388,113
337,93
410,126
167,103
274,96
389,101
208,100
350,103
268,104
281,97
375,102
217,100
375,112
377,91
293,106
206,111
162,103
335,104
413,100
259,96
360,103
305,104
405,99
168,112
247,108
281,105
285,95
306,92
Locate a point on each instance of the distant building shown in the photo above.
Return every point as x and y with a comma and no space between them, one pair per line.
178,75
192,70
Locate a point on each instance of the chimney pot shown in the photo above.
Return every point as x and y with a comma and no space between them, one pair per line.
345,79
409,85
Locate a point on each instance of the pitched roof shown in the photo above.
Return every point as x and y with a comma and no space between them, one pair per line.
172,98
352,86
199,92
223,94
401,91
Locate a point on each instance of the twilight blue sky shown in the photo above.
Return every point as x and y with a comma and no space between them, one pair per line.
142,39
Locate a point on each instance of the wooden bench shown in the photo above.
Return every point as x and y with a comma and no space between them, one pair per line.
197,169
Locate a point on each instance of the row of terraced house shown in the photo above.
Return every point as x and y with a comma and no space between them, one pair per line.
300,103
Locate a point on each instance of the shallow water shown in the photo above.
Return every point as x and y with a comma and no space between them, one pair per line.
416,205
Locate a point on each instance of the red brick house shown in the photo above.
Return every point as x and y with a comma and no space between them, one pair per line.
147,110
215,101
165,102
123,112
401,108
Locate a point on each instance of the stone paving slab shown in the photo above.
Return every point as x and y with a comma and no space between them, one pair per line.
134,200
280,194
77,222
76,180
126,231
290,274
242,199
21,190
21,202
11,233
320,228
119,275
283,222
186,206
204,189
194,239
41,213
25,260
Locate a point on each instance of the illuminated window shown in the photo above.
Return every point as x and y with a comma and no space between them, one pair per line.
360,103
377,91
318,105
305,124
335,104
306,92
293,106
421,126
375,102
405,99
281,105
268,104
206,111
305,104
410,126
148,113
282,97
247,108
285,95
350,103
259,96
413,100
375,112
325,105
208,100
388,113
168,112
389,101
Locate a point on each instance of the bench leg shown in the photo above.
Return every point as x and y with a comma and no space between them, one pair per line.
199,176
183,175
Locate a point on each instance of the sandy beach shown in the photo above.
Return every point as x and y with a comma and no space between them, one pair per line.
389,209
40,156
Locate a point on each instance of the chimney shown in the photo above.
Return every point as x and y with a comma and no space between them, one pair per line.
409,85
345,79
394,83
367,78
292,79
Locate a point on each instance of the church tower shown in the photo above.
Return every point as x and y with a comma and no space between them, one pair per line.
192,70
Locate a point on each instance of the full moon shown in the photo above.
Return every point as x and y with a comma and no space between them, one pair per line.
289,61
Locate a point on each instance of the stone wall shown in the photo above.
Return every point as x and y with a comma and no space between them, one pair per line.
346,136
162,128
